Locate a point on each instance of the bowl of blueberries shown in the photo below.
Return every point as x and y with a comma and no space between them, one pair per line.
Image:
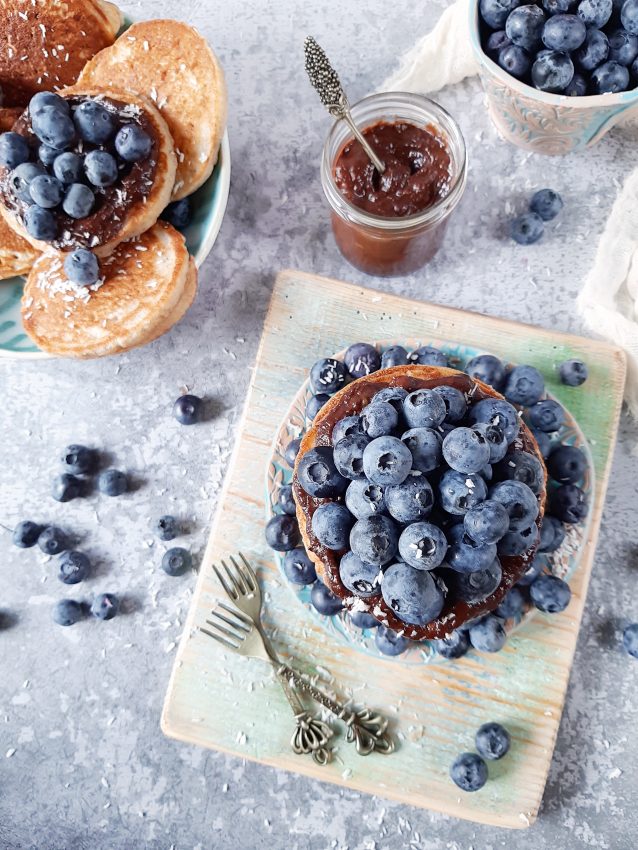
558,74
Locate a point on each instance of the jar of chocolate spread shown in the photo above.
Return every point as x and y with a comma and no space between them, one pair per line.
392,223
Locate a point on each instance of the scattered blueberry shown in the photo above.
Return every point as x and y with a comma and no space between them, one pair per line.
291,452
573,373
94,123
81,267
487,368
314,405
26,534
552,71
609,77
166,527
546,203
424,409
414,596
361,359
66,487
569,503
78,460
100,168
547,415
524,386
396,355
425,446
52,540
363,620
410,501
176,561
492,741
132,143
630,640
188,409
112,482
298,567
455,645
66,612
469,771
282,532
511,606
389,642
358,576
486,523
488,635
179,213
14,150
318,474
74,567
427,355
459,493
567,464
286,500
550,594
331,525
374,539
105,606
387,460
78,201
327,376
324,600
364,499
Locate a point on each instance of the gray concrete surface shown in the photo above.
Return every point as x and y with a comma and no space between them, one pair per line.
83,763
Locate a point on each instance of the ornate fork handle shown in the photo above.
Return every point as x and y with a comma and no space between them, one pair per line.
311,735
365,729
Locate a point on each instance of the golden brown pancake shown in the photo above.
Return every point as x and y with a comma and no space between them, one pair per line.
8,116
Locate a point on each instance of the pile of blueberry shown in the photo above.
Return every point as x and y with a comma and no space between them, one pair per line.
544,206
469,770
426,494
570,47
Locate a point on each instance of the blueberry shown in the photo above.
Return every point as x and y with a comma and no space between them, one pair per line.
396,355
66,612
74,567
423,545
425,446
52,540
132,143
282,532
577,87
595,13
22,176
519,501
547,415
466,450
82,267
14,150
524,26
511,606
94,123
176,561
629,16
454,645
363,620
48,156
532,572
314,405
112,482
565,32
454,400
361,359
552,534
525,467
410,501
488,635
555,7
331,524
476,586
424,409
53,127
364,499
466,556
291,452
458,493
78,460
469,772
105,606
47,98
358,577
374,539
298,567
346,427
327,376
567,464
495,411
495,440
26,533
515,60
324,601
393,395
378,419
387,460
543,441
573,373
166,527
66,487
68,168
630,640
414,596
550,594
524,386
594,50
487,522
495,12
100,168
569,504
546,203
286,500
179,213
552,71
610,77
519,542
389,642
318,474
487,368
188,409
427,355
78,201
40,224
492,741
496,41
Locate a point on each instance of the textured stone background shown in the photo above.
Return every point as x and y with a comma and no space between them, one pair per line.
86,765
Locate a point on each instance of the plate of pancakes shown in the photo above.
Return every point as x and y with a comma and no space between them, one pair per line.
151,241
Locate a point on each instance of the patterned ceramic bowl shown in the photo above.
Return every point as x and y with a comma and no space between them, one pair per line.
542,122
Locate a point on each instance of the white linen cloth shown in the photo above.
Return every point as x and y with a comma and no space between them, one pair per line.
608,301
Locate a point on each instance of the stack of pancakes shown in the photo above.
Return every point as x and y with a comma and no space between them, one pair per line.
166,73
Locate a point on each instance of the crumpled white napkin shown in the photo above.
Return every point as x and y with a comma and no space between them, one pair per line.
608,301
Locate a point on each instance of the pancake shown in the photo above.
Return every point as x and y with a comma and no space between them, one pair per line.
147,285
351,400
8,116
172,64
122,211
44,44
16,254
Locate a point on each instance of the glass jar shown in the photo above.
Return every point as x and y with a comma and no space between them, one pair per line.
393,246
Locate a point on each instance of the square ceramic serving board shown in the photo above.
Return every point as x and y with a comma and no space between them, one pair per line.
228,703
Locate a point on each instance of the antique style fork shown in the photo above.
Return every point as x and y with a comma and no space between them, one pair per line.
365,729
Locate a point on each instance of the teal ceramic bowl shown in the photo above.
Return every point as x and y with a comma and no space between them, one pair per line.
209,206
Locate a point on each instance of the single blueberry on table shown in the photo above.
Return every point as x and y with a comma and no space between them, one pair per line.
179,213
327,376
318,475
552,71
569,504
525,467
469,772
630,640
324,600
188,409
515,60
73,567
291,452
286,500
66,487
524,386
629,16
532,572
547,415
511,606
396,355
593,52
47,155
494,436
552,534
387,460
425,446
26,533
519,501
78,201
610,77
476,586
47,98
495,411
458,493
14,150
414,596
52,540
361,359
410,501
81,267
466,450
488,635
520,541
40,224
112,482
454,645
495,12
550,594
573,373
524,26
364,499
487,368
79,460
544,442
94,123
298,567
496,41
331,525
375,539
567,464
176,561
100,168
45,191
66,612
282,532
546,203
393,395
378,419
427,355
360,578
314,405
423,545
363,620
68,168
166,527
492,741
424,409
105,606
488,522
454,400
564,33
346,427
132,143
53,127
389,642
466,556
577,87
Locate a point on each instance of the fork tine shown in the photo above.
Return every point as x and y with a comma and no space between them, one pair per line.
249,570
230,591
232,635
219,639
237,582
239,615
234,624
246,573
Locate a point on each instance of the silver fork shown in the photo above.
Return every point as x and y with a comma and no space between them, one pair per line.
366,729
